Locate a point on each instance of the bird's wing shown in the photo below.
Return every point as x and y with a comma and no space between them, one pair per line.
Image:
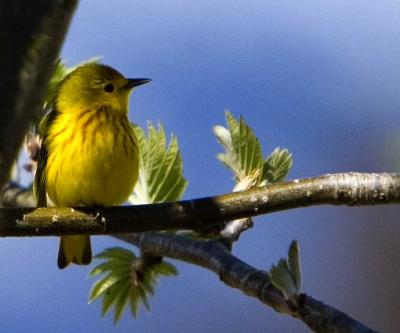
39,185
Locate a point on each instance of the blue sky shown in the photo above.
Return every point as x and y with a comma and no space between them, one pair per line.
321,78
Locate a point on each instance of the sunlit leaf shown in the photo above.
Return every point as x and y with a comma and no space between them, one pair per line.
242,150
277,165
161,170
243,155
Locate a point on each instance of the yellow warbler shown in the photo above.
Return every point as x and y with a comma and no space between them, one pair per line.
89,154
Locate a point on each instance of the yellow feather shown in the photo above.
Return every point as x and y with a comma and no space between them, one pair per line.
93,161
90,154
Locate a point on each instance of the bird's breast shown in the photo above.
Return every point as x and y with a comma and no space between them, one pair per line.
93,159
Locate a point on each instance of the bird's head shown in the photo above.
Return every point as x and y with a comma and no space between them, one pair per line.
95,85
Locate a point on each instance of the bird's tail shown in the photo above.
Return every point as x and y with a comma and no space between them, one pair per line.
74,249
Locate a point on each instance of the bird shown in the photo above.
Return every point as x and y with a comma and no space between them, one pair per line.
89,154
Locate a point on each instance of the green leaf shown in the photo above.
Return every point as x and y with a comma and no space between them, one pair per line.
161,169
134,301
148,285
243,153
120,284
118,253
243,156
277,166
105,284
281,278
143,297
166,269
121,301
294,264
107,266
286,275
108,300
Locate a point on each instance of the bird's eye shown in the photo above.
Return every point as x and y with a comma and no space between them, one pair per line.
109,88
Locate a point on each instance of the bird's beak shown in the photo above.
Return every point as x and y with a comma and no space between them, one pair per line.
135,83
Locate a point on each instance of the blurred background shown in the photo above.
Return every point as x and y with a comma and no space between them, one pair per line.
321,78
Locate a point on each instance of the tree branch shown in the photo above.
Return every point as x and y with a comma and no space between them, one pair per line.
234,229
352,189
214,256
30,46
349,189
